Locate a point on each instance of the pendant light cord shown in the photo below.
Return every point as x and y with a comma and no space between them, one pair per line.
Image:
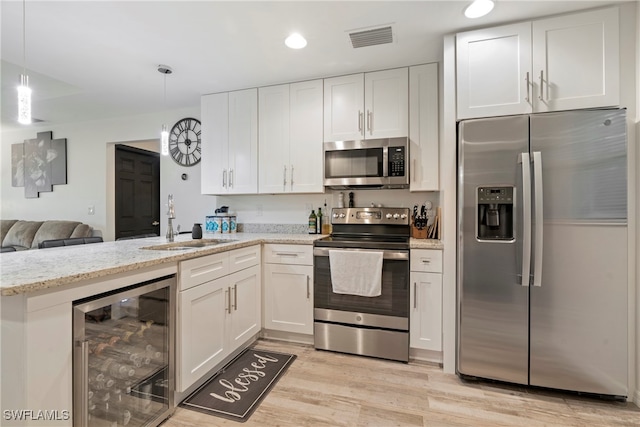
24,38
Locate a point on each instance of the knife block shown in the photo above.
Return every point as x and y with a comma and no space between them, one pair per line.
417,233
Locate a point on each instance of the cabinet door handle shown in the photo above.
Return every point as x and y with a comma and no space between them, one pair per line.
415,295
527,82
224,178
360,120
235,297
291,181
541,97
286,254
308,291
154,223
284,178
227,297
369,122
426,261
230,178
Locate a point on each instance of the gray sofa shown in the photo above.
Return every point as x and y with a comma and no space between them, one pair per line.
21,235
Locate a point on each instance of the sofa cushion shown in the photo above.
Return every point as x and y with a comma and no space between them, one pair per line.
21,235
5,225
54,230
82,230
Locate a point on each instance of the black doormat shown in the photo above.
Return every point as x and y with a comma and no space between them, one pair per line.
237,390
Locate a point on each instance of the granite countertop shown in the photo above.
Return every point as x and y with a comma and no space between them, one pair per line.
425,244
38,269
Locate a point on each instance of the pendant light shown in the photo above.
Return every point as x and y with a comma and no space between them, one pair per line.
24,91
164,135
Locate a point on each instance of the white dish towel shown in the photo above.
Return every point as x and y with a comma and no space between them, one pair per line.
356,272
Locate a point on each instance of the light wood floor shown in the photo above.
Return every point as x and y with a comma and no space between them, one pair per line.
329,389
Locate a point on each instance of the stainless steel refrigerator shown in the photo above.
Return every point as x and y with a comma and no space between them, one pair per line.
542,250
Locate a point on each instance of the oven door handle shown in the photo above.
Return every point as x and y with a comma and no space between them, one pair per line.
386,254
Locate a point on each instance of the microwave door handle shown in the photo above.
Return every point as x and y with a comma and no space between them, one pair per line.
385,161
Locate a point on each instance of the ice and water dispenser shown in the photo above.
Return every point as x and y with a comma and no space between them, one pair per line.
494,208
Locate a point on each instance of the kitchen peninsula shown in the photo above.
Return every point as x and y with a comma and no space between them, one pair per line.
38,289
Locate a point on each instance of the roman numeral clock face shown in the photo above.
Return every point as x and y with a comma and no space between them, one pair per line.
184,142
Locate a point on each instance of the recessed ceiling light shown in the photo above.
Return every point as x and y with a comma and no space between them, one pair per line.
295,41
478,8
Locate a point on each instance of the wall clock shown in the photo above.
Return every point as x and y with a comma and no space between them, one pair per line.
184,142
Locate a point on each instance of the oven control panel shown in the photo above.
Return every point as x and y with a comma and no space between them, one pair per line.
386,216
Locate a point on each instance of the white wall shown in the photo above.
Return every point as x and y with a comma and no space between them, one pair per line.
90,170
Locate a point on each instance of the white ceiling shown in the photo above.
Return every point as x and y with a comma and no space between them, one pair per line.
96,59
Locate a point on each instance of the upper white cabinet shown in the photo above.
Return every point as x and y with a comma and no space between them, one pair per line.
423,128
290,138
560,63
230,143
366,106
576,59
492,67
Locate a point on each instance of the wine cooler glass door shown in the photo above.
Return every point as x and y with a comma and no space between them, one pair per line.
123,356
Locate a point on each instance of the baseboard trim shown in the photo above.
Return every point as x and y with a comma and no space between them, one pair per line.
287,336
430,356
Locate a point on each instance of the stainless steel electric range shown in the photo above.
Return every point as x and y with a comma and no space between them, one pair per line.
376,326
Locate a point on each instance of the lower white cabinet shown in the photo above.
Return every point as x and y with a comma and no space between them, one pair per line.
216,317
426,311
201,339
426,300
244,311
288,288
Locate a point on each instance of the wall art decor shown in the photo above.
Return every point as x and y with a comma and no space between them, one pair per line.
39,164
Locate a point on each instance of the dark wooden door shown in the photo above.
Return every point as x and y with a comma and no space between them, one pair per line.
137,192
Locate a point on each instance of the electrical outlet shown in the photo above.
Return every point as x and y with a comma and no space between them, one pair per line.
258,210
91,210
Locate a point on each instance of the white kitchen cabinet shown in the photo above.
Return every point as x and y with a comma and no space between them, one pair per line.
288,288
560,63
426,311
576,61
426,300
290,138
288,298
367,106
423,128
245,314
201,337
217,314
230,143
492,67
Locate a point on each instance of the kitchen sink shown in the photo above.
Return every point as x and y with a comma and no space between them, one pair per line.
189,244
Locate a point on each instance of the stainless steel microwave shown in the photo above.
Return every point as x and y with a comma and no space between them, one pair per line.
367,163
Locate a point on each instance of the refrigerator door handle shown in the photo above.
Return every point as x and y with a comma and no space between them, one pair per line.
526,217
537,174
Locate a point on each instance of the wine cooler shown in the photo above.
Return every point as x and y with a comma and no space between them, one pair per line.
123,359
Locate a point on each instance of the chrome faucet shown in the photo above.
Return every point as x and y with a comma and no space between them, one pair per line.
171,214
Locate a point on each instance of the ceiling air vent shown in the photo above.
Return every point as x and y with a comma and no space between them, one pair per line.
372,37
